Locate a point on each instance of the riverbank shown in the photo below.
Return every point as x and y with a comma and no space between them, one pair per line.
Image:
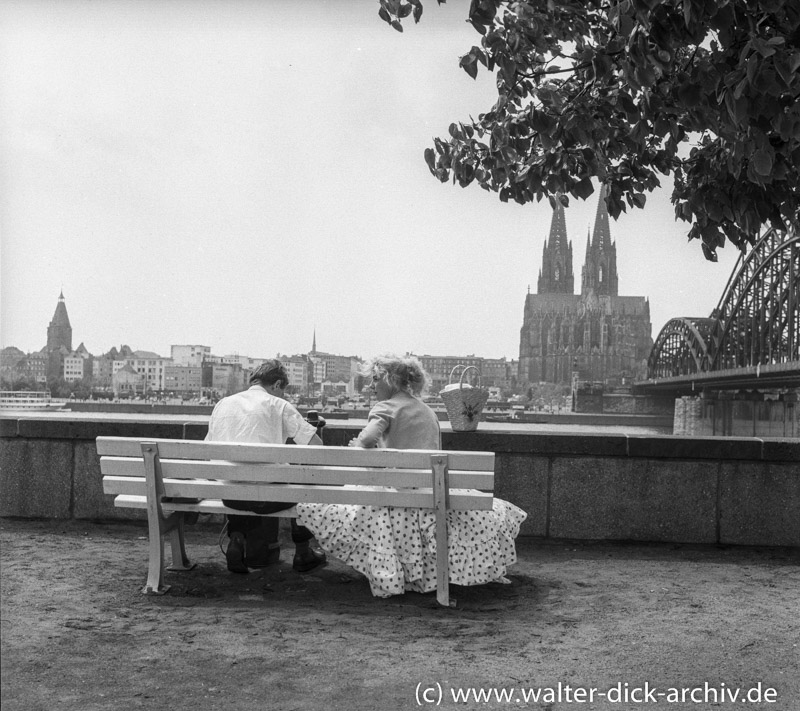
77,635
661,422
198,414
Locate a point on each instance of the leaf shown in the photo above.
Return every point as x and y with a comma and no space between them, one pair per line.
783,69
583,188
478,26
639,199
396,24
763,48
469,64
708,253
508,69
762,161
430,159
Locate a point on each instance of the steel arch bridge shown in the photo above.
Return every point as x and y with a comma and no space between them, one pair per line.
752,337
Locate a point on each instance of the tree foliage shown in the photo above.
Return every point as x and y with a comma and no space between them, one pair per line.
626,90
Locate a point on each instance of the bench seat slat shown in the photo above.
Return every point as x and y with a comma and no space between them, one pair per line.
206,506
459,499
296,473
290,454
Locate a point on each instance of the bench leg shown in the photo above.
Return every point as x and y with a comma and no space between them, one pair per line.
180,561
172,525
439,466
155,567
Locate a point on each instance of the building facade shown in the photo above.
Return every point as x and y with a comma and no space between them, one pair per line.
74,365
126,382
499,372
190,355
298,369
151,367
183,379
36,366
602,336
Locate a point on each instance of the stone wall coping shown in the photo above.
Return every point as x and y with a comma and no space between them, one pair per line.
668,447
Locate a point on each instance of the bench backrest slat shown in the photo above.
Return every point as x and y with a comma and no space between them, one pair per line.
367,495
295,473
289,454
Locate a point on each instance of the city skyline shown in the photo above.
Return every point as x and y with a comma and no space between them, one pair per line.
257,174
62,310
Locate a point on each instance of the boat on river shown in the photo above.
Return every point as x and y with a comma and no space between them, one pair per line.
28,400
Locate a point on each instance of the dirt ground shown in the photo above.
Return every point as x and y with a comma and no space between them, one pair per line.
78,635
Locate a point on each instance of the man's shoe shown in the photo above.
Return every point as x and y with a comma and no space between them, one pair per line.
264,558
234,556
308,560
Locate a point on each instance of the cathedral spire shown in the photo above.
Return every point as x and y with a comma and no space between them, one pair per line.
600,270
314,341
601,237
556,275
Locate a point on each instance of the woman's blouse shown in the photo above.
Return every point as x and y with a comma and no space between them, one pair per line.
401,422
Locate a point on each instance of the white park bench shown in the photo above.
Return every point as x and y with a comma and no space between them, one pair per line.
173,478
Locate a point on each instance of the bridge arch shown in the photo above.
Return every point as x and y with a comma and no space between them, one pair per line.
756,323
681,348
759,312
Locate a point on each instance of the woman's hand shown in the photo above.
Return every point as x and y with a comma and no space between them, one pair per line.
354,442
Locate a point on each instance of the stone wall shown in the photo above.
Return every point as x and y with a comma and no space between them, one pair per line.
618,487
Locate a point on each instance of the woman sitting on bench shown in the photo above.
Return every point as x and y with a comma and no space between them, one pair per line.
396,547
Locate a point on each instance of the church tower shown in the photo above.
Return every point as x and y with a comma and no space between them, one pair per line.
556,276
59,332
600,269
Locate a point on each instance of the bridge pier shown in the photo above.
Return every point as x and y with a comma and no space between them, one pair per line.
738,414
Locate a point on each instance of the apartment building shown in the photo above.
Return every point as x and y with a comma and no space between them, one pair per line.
297,368
183,379
151,367
73,367
190,355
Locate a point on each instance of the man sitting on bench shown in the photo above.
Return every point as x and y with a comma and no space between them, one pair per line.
262,415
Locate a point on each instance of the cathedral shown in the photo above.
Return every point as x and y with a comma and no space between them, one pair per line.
600,335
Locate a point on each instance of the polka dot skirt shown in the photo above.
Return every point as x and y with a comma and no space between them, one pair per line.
396,547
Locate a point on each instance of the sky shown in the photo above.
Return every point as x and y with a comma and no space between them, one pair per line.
243,174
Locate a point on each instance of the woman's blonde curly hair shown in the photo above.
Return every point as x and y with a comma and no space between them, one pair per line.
404,373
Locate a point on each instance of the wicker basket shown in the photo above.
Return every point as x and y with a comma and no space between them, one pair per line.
464,403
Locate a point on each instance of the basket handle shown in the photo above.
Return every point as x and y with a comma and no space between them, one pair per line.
464,372
453,372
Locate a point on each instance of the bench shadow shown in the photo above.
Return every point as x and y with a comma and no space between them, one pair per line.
334,588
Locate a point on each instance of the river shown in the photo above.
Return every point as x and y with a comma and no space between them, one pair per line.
593,425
